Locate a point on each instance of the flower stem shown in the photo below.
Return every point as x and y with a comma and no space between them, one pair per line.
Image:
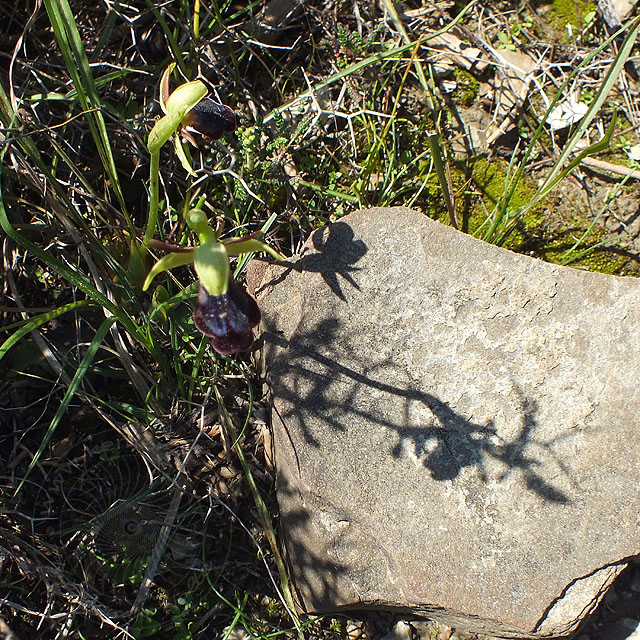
152,220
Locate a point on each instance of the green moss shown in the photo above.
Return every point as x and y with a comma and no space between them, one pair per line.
572,12
607,261
541,232
478,185
490,177
592,254
466,89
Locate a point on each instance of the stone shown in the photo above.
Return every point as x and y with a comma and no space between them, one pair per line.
401,631
615,12
455,426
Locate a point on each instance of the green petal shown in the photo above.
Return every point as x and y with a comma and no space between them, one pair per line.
212,266
236,247
169,261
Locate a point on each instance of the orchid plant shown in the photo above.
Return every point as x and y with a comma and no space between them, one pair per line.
224,310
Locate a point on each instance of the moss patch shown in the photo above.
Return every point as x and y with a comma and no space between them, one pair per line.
594,254
541,232
478,185
490,179
572,12
467,88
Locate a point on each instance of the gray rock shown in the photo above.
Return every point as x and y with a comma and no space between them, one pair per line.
455,426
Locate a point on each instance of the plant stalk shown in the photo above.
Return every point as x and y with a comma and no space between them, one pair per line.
154,186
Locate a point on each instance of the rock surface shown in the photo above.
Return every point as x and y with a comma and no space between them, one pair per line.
456,427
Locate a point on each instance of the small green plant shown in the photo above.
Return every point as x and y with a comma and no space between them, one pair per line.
145,625
574,17
505,41
224,311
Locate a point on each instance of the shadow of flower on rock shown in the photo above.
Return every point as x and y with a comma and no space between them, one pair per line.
340,390
335,252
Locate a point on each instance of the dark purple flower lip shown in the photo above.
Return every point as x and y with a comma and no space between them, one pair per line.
211,119
228,318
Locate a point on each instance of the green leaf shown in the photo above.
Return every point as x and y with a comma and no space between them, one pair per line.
76,279
159,303
38,321
77,63
136,268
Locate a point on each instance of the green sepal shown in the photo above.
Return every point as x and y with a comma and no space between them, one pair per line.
169,261
162,131
212,266
185,97
198,222
236,247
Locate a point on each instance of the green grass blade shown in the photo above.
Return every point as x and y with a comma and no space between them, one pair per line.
9,120
571,254
443,180
562,173
244,259
68,96
76,279
329,192
501,212
362,64
77,63
263,512
78,376
171,39
605,88
38,321
197,361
